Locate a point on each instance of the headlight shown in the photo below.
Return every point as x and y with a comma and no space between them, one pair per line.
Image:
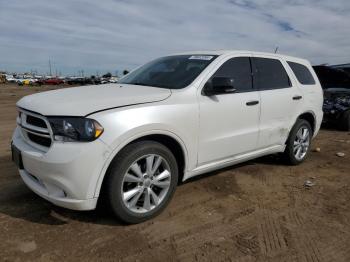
75,129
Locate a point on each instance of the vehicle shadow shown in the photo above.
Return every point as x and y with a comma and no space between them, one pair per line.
275,159
30,207
19,202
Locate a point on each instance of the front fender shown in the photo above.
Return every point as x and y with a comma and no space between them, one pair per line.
129,137
122,126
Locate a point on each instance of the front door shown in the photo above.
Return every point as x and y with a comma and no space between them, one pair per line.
229,123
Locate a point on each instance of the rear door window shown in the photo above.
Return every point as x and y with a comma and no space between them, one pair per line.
239,69
302,73
269,74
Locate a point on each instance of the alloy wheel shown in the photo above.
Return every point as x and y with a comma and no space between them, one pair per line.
301,143
146,183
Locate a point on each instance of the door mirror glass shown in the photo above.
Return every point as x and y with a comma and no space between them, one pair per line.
219,85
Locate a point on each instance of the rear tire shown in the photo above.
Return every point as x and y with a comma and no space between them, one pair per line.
344,121
298,143
142,180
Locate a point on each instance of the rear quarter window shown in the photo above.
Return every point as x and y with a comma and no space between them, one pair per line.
302,73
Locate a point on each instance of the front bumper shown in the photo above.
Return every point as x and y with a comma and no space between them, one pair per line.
54,194
66,174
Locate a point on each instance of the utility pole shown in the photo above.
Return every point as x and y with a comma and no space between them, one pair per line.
50,67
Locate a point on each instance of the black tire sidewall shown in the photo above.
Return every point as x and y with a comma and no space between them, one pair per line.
289,154
120,166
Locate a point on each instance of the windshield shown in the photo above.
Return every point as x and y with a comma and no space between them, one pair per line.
172,72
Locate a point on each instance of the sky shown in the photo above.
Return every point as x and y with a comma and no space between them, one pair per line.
113,35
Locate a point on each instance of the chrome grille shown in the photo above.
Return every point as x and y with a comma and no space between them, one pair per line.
35,129
36,121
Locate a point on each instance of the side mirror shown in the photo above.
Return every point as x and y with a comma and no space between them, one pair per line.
218,86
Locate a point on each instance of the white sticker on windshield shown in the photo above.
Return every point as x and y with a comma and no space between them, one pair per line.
201,57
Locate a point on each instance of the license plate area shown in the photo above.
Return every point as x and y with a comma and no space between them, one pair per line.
17,157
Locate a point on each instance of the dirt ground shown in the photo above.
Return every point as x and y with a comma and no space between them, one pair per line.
257,211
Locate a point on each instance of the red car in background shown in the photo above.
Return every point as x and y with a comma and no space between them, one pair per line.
53,81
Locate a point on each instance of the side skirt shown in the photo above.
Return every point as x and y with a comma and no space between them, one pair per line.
233,160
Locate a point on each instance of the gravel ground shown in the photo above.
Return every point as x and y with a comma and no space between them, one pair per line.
256,211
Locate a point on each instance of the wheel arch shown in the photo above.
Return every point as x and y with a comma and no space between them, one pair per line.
310,117
167,138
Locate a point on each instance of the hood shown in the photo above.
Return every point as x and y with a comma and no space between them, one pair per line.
84,100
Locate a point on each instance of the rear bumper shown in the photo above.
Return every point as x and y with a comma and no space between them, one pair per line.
66,174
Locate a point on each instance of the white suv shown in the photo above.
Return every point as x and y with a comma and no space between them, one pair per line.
171,119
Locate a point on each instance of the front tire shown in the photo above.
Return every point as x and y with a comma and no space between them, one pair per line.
141,181
298,143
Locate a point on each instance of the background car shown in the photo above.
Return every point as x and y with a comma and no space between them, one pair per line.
53,81
26,81
336,86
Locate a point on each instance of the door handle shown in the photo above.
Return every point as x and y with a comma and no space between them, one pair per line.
297,97
252,103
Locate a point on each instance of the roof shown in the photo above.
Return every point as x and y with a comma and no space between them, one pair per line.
233,52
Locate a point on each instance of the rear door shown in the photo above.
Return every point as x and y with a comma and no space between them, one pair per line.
229,123
280,99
